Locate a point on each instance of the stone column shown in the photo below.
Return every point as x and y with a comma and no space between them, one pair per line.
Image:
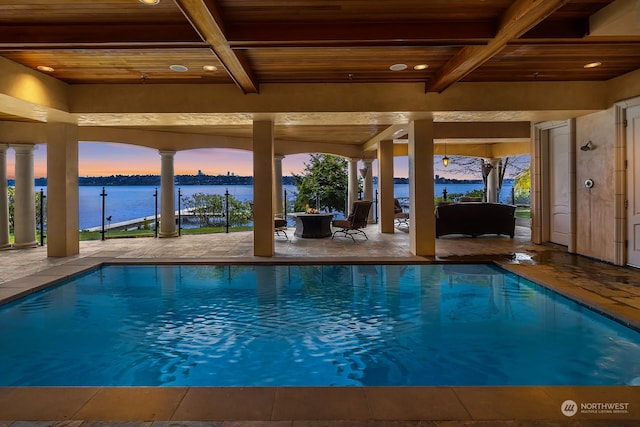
385,186
24,227
368,185
263,151
4,196
422,231
352,193
492,181
167,195
63,205
278,204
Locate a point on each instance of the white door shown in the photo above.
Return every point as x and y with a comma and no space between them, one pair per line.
559,206
633,185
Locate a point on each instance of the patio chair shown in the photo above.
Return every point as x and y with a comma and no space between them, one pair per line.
400,217
279,223
280,226
355,222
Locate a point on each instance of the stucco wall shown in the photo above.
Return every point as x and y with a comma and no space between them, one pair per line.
595,217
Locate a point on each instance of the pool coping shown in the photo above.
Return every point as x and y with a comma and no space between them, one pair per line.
292,405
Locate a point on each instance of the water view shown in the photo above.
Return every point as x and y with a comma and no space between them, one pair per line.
124,203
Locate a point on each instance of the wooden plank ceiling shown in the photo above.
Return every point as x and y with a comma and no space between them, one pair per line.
255,42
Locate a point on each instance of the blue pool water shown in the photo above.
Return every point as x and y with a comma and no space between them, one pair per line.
331,325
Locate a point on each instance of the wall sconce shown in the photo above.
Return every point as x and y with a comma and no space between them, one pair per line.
445,159
588,146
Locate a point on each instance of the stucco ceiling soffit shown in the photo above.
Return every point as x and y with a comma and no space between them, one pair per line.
485,149
160,139
466,130
620,18
390,133
27,111
34,90
25,133
285,147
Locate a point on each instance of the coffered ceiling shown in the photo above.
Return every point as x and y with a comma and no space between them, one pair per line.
253,43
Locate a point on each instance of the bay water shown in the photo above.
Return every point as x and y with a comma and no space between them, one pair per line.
123,203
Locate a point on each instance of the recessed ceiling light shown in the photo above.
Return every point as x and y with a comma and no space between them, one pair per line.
592,64
398,67
150,1
210,68
420,67
178,68
45,68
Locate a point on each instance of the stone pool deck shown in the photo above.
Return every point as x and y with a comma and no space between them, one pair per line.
609,289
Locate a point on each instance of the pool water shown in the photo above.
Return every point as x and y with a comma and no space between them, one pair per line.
309,325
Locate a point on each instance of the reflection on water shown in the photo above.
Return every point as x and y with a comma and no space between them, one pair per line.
343,325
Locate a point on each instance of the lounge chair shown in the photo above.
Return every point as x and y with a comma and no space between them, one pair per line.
400,217
355,222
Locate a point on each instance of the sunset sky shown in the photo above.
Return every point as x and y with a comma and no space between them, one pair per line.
105,159
102,159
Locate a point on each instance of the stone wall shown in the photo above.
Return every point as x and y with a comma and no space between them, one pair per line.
595,215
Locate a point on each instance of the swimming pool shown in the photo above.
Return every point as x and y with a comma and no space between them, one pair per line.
309,325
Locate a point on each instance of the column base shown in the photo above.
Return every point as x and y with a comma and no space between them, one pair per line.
33,244
5,246
163,234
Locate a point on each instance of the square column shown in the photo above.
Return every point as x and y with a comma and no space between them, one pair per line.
278,202
352,184
492,180
368,184
422,232
385,185
263,183
4,199
63,223
167,195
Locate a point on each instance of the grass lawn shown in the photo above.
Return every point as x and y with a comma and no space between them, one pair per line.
122,234
523,212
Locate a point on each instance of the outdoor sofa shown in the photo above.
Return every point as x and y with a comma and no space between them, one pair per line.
475,219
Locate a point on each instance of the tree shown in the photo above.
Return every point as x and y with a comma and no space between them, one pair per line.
522,186
508,166
210,209
12,199
325,179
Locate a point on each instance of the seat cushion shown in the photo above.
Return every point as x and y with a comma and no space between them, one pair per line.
341,223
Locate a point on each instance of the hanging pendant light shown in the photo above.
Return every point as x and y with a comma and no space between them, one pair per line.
445,159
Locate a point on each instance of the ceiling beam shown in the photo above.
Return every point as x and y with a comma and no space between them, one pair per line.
390,133
517,20
351,34
27,36
205,19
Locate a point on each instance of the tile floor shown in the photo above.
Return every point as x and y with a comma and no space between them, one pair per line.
610,289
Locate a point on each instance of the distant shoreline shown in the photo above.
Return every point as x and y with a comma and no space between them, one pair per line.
201,179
